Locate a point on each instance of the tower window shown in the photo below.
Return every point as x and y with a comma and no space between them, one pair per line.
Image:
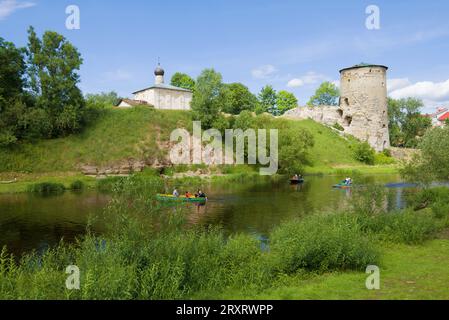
348,121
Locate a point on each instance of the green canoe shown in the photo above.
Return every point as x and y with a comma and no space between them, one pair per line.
169,197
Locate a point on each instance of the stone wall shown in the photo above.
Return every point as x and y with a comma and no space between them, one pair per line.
328,115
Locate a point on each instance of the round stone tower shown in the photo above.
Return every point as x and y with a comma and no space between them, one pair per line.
364,104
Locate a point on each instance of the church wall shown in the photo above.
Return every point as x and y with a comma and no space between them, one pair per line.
166,99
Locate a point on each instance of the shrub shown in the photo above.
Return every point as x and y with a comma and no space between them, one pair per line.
108,184
46,188
382,158
364,153
321,243
428,197
77,185
408,226
338,127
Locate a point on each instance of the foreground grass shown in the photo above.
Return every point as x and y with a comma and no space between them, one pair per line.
408,272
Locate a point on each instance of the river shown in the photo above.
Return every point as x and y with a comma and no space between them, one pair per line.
29,222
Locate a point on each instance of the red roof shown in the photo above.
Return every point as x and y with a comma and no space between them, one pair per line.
444,117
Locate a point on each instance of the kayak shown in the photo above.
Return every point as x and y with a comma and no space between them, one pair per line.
169,197
296,181
342,186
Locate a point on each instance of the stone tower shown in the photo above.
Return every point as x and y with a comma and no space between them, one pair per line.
364,104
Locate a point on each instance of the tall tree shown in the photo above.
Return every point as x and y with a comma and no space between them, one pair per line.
327,94
406,123
12,71
267,100
285,101
431,164
237,98
206,101
53,66
182,80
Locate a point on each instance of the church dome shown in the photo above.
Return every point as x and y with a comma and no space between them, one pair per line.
159,71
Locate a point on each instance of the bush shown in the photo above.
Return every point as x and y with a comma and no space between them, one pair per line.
321,243
338,127
428,197
46,188
77,185
108,184
364,153
409,227
382,158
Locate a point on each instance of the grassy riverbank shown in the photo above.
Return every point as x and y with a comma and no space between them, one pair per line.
143,134
409,272
25,181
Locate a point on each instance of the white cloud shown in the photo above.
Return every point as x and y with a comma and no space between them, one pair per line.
264,72
309,78
8,7
432,93
396,84
436,91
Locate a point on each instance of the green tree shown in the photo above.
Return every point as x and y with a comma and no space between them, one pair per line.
53,65
244,121
285,101
182,80
406,123
267,101
12,70
431,163
13,110
237,98
326,95
294,149
207,97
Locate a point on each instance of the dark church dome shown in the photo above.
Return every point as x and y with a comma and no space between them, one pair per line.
159,71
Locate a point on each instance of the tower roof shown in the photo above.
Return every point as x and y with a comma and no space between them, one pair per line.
365,65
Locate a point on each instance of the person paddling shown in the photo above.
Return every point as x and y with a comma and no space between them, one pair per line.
200,194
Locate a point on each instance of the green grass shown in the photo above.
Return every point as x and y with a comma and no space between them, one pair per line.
117,135
66,179
407,272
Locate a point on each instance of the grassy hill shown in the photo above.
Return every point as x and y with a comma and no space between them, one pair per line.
117,135
141,133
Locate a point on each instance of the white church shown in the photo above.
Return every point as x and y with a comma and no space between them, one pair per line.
160,95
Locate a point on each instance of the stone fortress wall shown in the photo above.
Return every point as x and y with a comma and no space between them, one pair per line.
363,107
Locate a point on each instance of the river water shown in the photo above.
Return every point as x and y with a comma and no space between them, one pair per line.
29,222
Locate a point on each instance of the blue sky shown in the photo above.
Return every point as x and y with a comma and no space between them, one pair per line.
292,45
